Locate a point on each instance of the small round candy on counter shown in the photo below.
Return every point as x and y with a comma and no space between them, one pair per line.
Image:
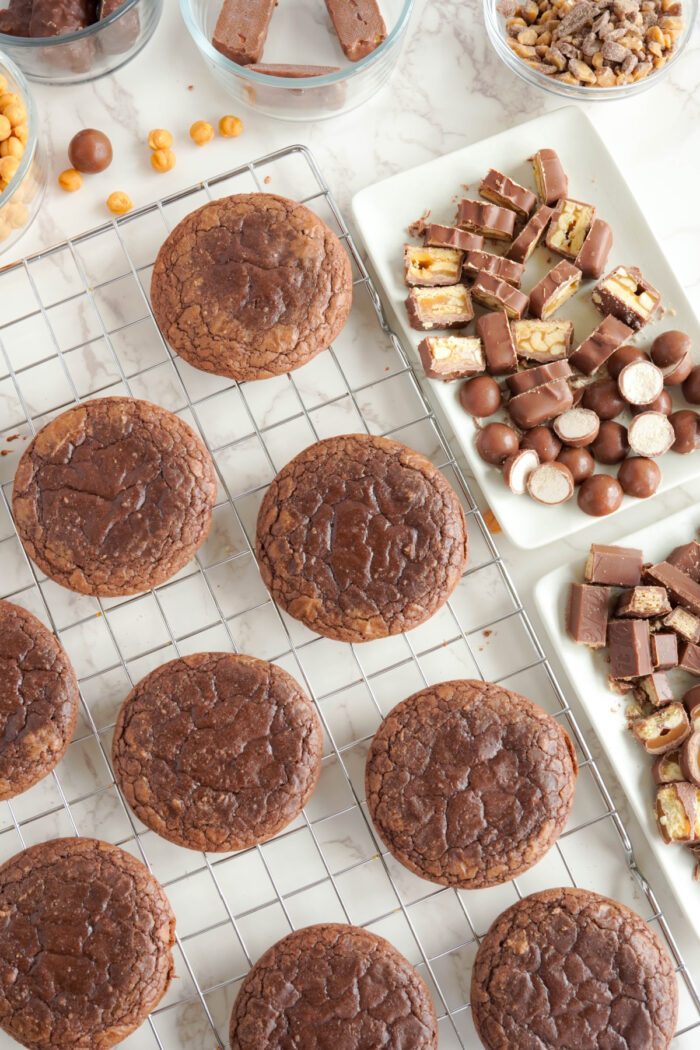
686,428
551,484
90,151
624,356
662,404
544,442
163,160
518,468
480,396
201,132
230,127
639,476
670,352
119,203
604,398
611,446
640,382
160,138
579,461
600,495
70,180
577,427
691,386
495,442
650,434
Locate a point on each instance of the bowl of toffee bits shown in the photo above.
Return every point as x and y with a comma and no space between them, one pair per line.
590,49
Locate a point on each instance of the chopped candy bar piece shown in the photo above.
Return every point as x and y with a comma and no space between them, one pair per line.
430,267
499,295
437,236
614,566
687,559
690,758
643,602
690,658
241,29
359,26
684,623
451,356
554,290
596,248
569,226
550,177
497,187
663,731
627,295
656,689
630,651
448,307
487,219
678,812
664,650
543,341
506,269
667,768
682,588
540,404
529,377
587,614
499,346
600,345
529,237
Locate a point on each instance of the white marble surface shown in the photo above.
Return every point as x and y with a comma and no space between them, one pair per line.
450,90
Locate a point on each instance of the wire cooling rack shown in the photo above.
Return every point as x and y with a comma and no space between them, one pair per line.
75,322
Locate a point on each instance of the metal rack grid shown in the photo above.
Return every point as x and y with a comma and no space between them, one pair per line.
327,866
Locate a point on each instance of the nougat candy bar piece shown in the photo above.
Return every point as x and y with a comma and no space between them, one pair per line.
685,623
451,356
630,651
643,602
497,265
678,812
614,566
663,731
437,236
499,346
431,267
529,237
601,344
359,26
587,614
241,29
569,227
555,288
496,294
500,189
550,177
448,307
626,294
489,220
543,341
596,248
664,650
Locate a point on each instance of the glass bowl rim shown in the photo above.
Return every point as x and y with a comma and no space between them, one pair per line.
266,79
68,38
32,124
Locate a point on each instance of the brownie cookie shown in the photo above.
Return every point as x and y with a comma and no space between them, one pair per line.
360,537
469,784
217,752
569,968
113,496
333,986
38,700
86,935
251,286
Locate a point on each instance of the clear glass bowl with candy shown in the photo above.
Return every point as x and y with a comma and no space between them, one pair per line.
23,168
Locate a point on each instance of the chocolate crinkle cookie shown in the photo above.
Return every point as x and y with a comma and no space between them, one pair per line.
251,286
360,537
114,496
38,700
217,751
568,968
86,935
333,986
469,784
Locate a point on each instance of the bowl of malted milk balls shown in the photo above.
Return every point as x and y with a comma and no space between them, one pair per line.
23,169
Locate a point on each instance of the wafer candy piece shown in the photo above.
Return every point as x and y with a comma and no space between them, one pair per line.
448,307
430,267
500,189
569,227
664,650
451,356
678,812
626,294
555,288
663,731
550,177
687,559
614,566
530,377
643,602
487,219
543,341
630,653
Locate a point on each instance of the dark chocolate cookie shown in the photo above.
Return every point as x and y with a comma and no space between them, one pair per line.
251,286
469,784
333,986
360,537
86,935
114,496
38,700
217,752
568,968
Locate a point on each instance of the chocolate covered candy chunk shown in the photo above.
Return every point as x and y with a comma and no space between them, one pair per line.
577,427
540,404
687,559
543,341
630,653
601,344
496,294
614,566
596,248
551,484
451,356
550,177
664,650
531,377
15,19
651,434
50,18
685,623
682,588
663,731
489,220
626,294
500,189
529,237
555,288
359,26
431,267
587,614
497,265
689,658
678,812
655,689
437,236
241,29
497,339
569,226
643,602
690,758
667,768
448,307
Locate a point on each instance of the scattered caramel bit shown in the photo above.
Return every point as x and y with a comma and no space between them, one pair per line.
160,138
163,160
201,132
230,127
119,203
70,180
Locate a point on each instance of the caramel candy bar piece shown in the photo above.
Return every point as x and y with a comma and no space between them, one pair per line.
543,341
498,188
684,623
431,267
50,18
614,566
540,404
550,177
555,288
664,650
569,227
690,758
690,658
15,19
667,768
587,614
499,346
687,559
682,588
678,812
487,219
496,294
437,236
643,602
691,699
497,265
592,258
291,72
241,29
601,344
529,237
530,377
359,26
627,295
663,731
630,651
451,356
655,689
449,307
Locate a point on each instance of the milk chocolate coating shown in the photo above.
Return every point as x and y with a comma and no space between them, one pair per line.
50,18
90,151
607,302
670,351
639,476
491,290
687,430
529,237
544,442
662,403
531,377
592,258
686,557
540,404
497,265
691,386
603,396
579,461
487,219
600,346
496,186
600,495
664,650
497,339
480,396
623,357
496,442
587,614
552,182
611,446
628,641
562,274
614,566
437,236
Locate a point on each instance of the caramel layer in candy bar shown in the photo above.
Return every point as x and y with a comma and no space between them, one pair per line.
486,262
678,812
241,29
540,404
500,189
614,566
601,344
627,295
487,219
684,590
437,236
569,227
592,258
663,731
664,650
496,294
655,689
687,559
543,341
630,653
689,659
643,602
530,377
449,307
550,177
359,26
684,623
499,346
529,237
587,614
555,288
430,267
451,356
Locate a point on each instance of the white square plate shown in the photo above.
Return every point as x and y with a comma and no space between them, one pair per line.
384,211
587,673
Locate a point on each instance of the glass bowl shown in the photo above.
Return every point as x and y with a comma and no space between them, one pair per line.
20,202
495,27
89,53
298,35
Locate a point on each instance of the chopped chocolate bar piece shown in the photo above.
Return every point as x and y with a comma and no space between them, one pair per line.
596,248
687,559
630,651
437,236
684,623
498,295
643,602
498,188
431,267
614,566
487,219
664,650
530,377
241,29
691,699
554,290
663,731
656,688
529,237
667,769
448,307
543,341
684,590
587,614
291,72
52,18
451,356
627,295
550,177
678,812
359,26
690,658
540,404
569,226
499,346
506,269
690,758
600,345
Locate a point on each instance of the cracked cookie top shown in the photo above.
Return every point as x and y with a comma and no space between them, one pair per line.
38,700
216,751
469,784
568,968
333,986
251,286
360,537
113,496
86,935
